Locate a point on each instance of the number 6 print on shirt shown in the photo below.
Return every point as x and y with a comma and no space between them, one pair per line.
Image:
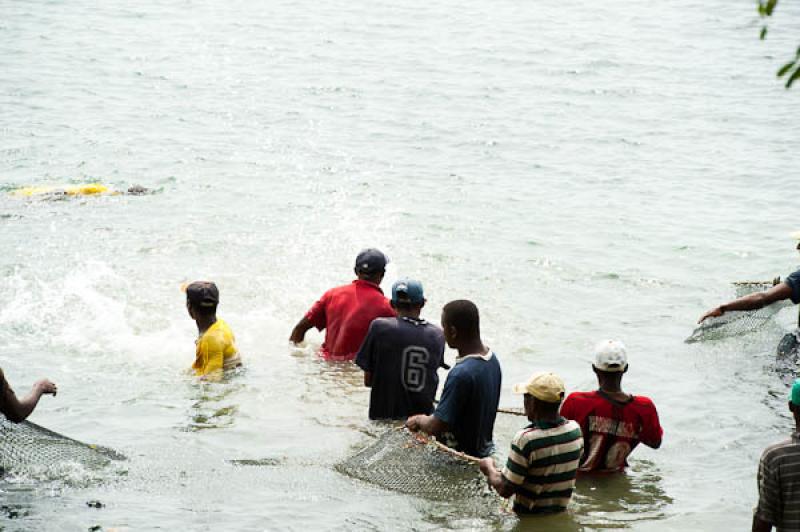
415,369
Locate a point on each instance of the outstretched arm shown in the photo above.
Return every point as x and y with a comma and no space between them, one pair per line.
496,479
17,410
751,301
299,331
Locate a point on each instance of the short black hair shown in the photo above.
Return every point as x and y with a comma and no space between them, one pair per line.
463,315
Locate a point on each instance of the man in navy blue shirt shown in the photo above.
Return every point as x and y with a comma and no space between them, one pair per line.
471,393
400,357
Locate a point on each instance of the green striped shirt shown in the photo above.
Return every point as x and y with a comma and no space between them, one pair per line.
542,465
779,485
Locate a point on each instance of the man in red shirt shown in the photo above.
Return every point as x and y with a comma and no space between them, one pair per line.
345,312
612,421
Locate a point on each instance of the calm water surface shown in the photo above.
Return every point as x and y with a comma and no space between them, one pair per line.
581,171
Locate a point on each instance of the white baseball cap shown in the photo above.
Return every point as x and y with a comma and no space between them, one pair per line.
609,355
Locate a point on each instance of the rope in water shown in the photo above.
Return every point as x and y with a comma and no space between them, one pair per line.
502,410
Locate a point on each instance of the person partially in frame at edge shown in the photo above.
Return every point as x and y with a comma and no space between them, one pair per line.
789,346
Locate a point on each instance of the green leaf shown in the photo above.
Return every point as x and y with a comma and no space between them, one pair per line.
794,76
785,68
763,33
762,9
771,6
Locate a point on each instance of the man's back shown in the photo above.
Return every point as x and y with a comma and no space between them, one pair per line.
612,429
402,355
346,312
542,465
469,402
216,350
779,485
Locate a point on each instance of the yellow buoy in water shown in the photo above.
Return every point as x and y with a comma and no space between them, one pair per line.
68,190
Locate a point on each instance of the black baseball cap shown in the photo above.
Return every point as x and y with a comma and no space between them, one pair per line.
371,261
202,293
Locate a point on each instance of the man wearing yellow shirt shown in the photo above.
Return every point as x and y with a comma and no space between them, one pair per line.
216,347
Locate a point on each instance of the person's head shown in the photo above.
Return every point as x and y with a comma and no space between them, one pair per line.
794,401
202,298
460,322
543,394
407,297
138,190
371,265
610,361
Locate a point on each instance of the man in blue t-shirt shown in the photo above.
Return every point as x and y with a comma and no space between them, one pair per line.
471,393
400,357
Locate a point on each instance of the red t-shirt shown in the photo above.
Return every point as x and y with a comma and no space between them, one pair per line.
346,312
611,430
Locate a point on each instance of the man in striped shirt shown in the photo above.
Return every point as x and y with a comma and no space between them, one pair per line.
779,479
541,467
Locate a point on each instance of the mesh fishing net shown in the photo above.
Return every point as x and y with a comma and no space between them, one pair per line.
789,346
25,445
399,460
736,322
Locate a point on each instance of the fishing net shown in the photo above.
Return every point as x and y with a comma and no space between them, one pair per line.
402,461
736,322
789,346
26,446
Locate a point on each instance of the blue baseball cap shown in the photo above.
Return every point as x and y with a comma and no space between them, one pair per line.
794,396
407,291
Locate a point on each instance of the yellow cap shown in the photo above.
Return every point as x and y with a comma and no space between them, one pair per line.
795,235
547,387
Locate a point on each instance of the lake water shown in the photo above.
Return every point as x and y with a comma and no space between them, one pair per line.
581,171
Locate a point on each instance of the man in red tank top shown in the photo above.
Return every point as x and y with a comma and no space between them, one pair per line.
612,421
345,312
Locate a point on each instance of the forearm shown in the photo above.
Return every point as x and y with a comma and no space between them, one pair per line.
748,302
18,410
299,331
429,424
498,482
432,425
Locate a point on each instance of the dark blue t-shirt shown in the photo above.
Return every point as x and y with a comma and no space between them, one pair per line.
403,355
793,280
469,403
